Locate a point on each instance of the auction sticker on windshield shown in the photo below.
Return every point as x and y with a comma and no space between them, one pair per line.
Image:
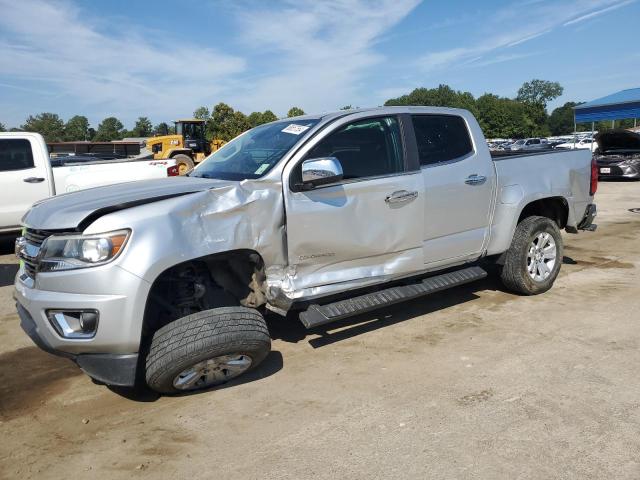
295,129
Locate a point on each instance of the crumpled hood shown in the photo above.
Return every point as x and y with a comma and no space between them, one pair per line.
76,210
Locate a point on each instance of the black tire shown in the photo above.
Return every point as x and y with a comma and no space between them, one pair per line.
184,163
515,275
227,331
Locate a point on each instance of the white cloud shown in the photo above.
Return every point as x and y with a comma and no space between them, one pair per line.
319,49
477,62
57,48
317,53
517,27
597,13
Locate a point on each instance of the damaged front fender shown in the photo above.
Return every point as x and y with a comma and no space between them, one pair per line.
240,216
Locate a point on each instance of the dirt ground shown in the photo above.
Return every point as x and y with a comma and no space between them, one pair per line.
472,383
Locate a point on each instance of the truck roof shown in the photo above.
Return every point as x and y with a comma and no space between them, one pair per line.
382,110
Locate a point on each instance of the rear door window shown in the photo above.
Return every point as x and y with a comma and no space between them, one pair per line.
15,154
441,138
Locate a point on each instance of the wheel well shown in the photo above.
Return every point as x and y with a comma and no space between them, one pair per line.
555,208
220,280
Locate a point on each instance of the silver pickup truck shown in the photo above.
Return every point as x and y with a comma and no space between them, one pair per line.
166,281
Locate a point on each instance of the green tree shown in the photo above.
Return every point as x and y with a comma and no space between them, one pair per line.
442,96
2,127
268,116
49,125
255,119
76,128
561,119
539,92
226,123
498,116
202,113
346,107
259,118
142,128
537,118
161,129
502,117
221,119
295,112
109,129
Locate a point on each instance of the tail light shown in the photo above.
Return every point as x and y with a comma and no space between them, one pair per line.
173,171
594,177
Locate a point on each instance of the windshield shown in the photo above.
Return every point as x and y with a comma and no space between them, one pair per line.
520,142
254,153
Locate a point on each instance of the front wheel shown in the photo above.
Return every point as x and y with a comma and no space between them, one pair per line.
184,162
533,260
206,349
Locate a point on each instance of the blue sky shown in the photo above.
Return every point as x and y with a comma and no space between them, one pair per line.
163,59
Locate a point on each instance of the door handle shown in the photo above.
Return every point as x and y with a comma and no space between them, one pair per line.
33,179
401,196
475,179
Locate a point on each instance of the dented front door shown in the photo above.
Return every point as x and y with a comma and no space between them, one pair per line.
367,227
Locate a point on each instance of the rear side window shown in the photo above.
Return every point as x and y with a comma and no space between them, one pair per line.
366,148
441,138
15,154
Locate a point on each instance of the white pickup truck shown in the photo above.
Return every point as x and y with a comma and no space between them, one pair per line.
28,175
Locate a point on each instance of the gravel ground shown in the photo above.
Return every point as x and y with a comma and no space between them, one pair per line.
472,383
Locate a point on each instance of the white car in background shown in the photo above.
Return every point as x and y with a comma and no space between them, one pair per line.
585,143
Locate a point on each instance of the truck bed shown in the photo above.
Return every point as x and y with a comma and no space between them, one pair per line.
71,160
71,174
527,177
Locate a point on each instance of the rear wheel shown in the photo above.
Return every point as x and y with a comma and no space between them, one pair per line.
206,349
184,163
533,260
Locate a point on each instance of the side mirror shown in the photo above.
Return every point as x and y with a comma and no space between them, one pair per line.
320,171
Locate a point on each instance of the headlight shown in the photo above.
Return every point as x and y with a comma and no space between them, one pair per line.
68,252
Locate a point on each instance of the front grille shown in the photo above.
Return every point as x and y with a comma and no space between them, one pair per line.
29,254
36,237
29,268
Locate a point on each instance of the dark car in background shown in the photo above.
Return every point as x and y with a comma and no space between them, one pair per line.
618,154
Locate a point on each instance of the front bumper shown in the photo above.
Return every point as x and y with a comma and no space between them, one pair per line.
119,297
112,369
618,171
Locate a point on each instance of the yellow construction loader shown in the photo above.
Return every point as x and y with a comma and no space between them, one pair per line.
188,146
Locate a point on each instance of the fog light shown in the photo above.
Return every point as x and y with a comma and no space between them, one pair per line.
74,323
